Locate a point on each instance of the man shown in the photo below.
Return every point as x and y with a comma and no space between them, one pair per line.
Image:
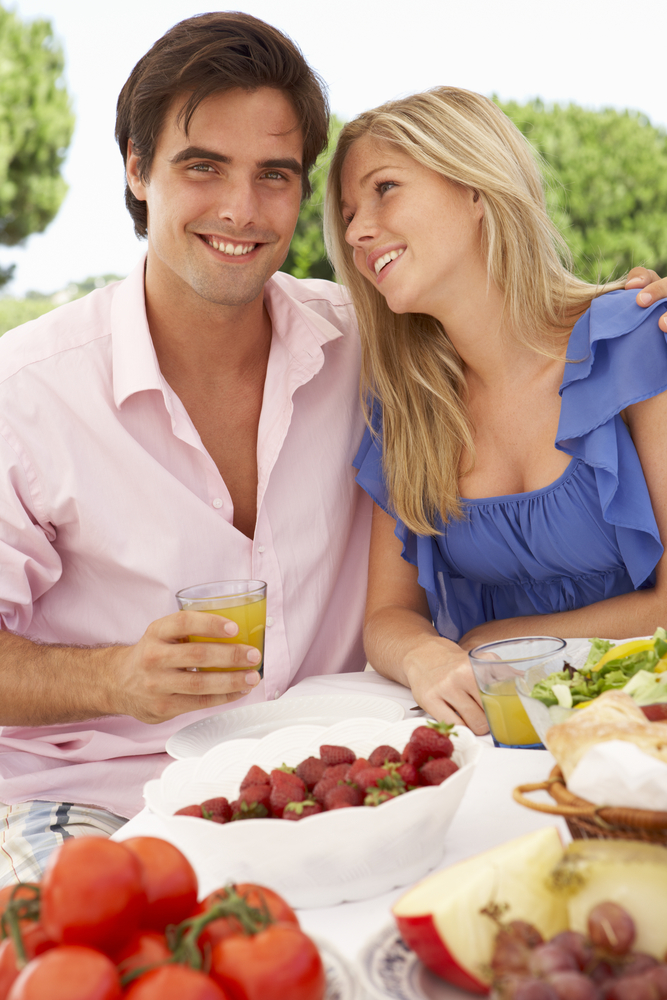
195,422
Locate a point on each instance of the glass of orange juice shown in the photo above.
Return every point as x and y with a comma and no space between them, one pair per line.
241,601
496,665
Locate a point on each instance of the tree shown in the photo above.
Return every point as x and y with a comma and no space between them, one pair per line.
606,174
36,125
307,257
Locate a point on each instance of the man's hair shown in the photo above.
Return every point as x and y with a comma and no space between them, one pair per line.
209,54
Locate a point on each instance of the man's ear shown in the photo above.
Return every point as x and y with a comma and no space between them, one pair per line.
135,183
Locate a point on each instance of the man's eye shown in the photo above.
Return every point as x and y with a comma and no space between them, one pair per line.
203,168
274,175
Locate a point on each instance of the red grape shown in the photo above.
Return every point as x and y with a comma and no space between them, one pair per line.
611,928
548,958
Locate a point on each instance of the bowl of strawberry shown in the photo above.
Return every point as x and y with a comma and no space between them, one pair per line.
325,815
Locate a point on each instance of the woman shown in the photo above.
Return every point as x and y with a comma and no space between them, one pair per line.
515,494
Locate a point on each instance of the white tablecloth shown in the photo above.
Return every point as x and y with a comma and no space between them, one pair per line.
487,815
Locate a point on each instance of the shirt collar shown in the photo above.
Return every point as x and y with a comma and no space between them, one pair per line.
135,365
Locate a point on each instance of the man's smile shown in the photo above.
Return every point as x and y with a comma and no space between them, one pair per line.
225,246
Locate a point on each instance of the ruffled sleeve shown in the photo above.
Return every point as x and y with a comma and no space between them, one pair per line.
617,355
368,461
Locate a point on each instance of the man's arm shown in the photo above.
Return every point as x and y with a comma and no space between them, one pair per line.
652,288
158,678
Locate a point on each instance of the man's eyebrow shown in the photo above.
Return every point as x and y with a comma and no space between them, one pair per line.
199,153
287,164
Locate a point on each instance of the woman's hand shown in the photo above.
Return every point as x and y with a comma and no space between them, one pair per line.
442,682
652,288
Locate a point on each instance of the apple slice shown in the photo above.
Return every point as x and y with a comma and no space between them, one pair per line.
441,919
628,872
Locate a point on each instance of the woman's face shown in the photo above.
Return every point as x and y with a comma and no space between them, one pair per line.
416,236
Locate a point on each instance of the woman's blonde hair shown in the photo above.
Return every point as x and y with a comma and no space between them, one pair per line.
408,362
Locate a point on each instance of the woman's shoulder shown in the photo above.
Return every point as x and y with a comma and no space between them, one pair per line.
616,356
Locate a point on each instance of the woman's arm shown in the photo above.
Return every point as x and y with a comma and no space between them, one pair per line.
402,644
639,612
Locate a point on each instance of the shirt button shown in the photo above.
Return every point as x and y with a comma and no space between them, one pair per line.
269,622
276,696
261,548
217,502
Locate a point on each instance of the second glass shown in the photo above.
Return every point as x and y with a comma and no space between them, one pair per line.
242,601
496,665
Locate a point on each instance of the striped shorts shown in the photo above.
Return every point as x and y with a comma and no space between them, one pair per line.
29,832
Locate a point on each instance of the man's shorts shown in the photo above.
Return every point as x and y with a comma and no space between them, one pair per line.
30,831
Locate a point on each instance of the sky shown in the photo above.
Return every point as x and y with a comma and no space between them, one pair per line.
597,54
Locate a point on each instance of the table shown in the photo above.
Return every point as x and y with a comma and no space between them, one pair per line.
486,817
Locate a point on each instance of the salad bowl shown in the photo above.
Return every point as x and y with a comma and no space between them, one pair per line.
637,666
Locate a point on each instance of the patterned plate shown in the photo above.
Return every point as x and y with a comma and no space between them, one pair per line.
392,971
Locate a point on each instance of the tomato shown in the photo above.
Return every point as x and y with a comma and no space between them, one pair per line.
255,895
92,894
35,942
22,892
169,881
174,982
274,964
69,972
146,948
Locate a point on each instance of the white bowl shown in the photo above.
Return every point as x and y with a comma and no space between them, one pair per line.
541,717
333,857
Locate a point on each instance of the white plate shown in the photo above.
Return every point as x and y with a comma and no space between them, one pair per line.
329,858
392,971
256,721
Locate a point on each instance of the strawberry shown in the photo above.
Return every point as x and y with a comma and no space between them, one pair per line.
337,771
369,777
256,793
434,772
337,755
248,810
190,811
255,776
352,771
384,755
285,787
218,809
310,771
376,796
433,737
299,810
324,784
409,774
342,796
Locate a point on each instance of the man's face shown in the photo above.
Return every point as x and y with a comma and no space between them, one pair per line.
224,199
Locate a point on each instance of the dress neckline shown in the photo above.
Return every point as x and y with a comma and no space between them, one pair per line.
508,497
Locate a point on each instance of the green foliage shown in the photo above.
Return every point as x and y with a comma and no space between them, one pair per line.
606,174
36,125
307,256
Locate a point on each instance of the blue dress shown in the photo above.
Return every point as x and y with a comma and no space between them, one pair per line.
590,535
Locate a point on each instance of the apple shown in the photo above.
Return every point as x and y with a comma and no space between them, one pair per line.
441,919
655,713
628,872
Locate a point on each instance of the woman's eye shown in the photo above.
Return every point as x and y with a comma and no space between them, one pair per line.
383,186
347,219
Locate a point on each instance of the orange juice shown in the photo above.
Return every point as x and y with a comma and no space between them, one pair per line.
506,715
249,613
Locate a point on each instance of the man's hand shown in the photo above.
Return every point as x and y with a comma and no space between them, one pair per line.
164,675
652,288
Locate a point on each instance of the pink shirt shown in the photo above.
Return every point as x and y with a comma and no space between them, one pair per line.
111,504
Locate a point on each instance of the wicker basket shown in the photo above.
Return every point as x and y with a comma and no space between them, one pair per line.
586,820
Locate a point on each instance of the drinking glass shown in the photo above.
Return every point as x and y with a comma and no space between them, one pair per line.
242,601
496,665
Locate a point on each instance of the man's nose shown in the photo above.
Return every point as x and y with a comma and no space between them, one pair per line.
238,204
